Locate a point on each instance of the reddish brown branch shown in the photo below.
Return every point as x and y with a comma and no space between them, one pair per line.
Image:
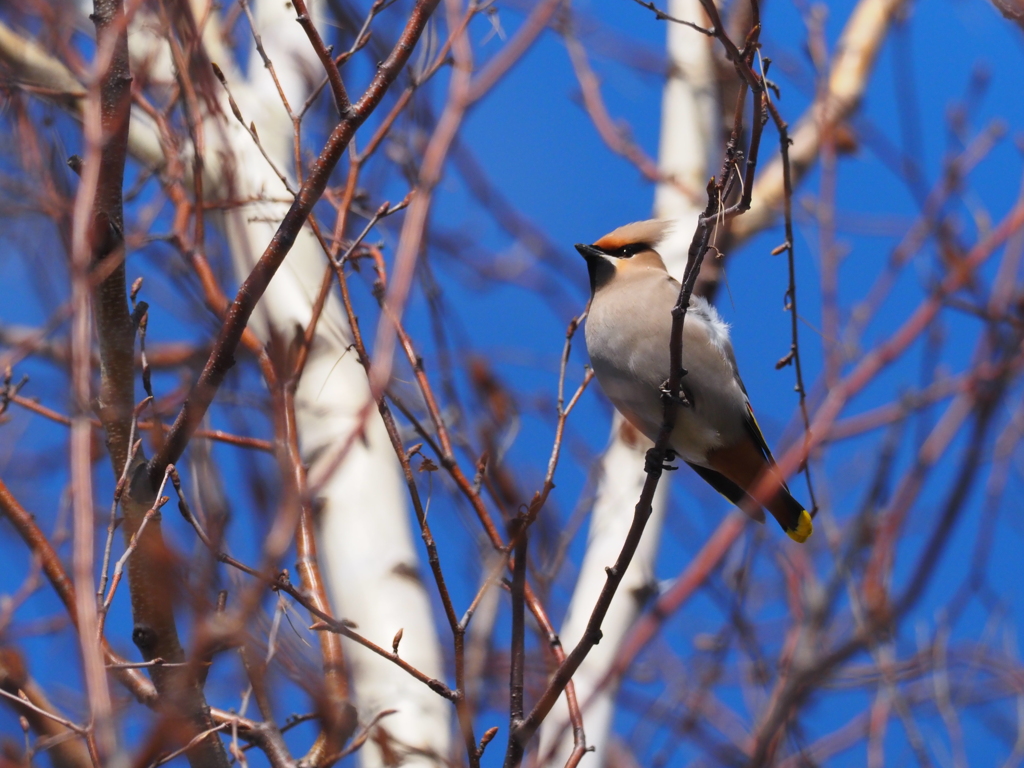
217,435
338,716
26,698
222,356
116,333
341,100
25,525
888,351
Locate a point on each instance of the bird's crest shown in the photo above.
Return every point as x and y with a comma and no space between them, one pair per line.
649,233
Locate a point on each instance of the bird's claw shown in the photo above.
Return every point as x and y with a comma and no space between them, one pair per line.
656,461
652,463
670,455
680,398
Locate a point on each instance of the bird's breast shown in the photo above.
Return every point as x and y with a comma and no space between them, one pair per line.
631,362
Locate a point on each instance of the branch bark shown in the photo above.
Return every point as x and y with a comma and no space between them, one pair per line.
222,356
69,749
99,245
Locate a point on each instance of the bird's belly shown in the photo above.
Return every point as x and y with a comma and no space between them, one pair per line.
693,437
641,405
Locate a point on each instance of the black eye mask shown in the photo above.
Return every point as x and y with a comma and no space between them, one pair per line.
627,251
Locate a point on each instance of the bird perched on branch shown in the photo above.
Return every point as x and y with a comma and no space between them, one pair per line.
628,331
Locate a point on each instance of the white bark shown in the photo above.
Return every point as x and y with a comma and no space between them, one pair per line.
36,67
852,64
689,147
366,543
622,478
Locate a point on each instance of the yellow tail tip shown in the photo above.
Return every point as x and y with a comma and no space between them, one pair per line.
804,528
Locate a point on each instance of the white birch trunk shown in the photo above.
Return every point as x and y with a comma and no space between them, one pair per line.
689,147
366,544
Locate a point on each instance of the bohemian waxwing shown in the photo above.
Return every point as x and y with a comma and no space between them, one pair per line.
628,332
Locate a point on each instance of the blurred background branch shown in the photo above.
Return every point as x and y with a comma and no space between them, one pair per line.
367,497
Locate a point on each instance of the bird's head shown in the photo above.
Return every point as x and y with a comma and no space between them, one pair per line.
627,250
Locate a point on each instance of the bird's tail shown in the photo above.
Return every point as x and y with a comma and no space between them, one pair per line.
793,518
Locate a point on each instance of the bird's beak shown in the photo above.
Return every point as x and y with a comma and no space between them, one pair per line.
600,266
588,252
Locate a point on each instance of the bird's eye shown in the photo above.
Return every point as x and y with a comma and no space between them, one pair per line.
631,250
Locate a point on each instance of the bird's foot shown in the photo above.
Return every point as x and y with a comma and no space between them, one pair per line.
681,398
655,461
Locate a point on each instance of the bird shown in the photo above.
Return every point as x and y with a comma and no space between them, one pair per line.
627,333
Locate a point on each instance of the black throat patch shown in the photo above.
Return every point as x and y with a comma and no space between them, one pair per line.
601,272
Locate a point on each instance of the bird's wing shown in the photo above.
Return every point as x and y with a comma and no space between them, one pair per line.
730,490
731,355
755,432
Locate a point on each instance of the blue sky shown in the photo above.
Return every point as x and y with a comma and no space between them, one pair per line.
537,145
